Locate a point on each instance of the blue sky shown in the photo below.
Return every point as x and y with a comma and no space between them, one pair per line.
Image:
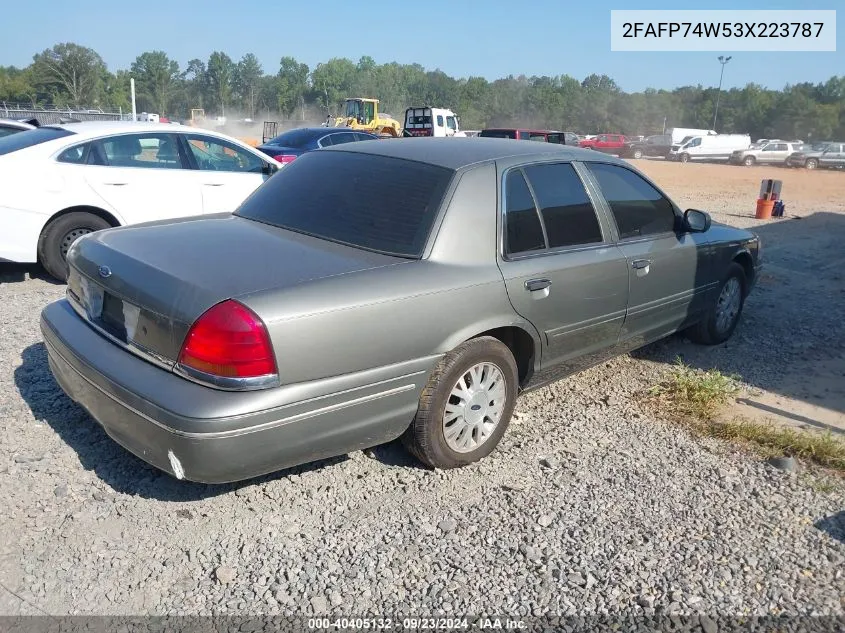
490,38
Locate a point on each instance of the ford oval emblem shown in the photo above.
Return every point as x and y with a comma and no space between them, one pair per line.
104,271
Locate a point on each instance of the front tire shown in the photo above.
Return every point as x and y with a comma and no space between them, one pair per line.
723,315
58,236
466,406
749,161
684,158
638,153
811,163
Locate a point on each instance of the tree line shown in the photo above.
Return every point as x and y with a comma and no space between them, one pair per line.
68,74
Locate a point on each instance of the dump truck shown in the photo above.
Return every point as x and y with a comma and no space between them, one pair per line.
362,113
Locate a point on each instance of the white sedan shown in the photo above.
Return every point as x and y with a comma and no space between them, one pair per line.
58,182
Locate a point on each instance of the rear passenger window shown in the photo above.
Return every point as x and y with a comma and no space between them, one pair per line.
523,231
638,208
566,210
77,154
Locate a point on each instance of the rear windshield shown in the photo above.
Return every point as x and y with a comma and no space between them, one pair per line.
372,202
28,138
498,133
293,138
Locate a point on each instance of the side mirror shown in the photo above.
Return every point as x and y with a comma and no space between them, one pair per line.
269,169
696,221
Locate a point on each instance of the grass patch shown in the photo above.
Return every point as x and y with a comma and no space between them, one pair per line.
695,398
694,393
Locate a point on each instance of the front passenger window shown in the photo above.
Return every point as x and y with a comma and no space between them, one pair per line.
638,208
213,154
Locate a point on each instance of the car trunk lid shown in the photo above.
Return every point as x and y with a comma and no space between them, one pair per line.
144,285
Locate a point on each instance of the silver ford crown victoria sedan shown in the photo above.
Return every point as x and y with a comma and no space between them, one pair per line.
411,287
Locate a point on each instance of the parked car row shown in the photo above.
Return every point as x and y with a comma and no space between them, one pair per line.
367,291
58,182
547,136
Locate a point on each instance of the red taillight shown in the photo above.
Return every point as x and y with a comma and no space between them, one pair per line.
229,341
284,159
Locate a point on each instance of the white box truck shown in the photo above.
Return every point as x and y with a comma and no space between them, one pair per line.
679,134
428,121
710,147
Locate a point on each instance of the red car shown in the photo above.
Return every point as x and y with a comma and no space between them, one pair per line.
607,143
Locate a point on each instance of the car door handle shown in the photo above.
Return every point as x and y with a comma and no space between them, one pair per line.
116,184
213,184
641,263
534,285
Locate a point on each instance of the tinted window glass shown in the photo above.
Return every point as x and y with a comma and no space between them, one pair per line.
638,208
292,138
537,136
439,120
159,151
523,230
78,154
361,136
567,211
554,138
29,138
213,154
327,141
450,123
343,137
372,202
6,131
498,133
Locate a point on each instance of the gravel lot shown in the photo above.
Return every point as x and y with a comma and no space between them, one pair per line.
589,506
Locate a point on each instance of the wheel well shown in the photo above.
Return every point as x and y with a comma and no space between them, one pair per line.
744,260
108,217
521,345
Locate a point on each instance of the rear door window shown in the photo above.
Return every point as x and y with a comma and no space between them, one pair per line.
377,203
30,138
568,214
523,230
150,151
638,208
343,137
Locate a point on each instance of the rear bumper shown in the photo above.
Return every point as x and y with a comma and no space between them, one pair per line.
167,421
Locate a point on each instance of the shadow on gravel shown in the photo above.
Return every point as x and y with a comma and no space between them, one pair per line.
17,273
791,340
833,526
117,467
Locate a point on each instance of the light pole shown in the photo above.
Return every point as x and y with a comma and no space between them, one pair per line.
722,60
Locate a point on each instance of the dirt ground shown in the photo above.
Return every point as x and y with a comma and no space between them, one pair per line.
803,255
731,192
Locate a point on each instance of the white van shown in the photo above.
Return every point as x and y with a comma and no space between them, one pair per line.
711,147
680,133
427,121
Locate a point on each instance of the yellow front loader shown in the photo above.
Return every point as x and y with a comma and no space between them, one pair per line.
362,114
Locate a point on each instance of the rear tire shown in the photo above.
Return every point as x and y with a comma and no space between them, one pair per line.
749,161
723,315
476,368
59,234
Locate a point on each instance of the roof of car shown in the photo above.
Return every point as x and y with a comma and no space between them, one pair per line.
455,153
21,125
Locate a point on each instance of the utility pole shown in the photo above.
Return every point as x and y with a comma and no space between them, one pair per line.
132,91
722,60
